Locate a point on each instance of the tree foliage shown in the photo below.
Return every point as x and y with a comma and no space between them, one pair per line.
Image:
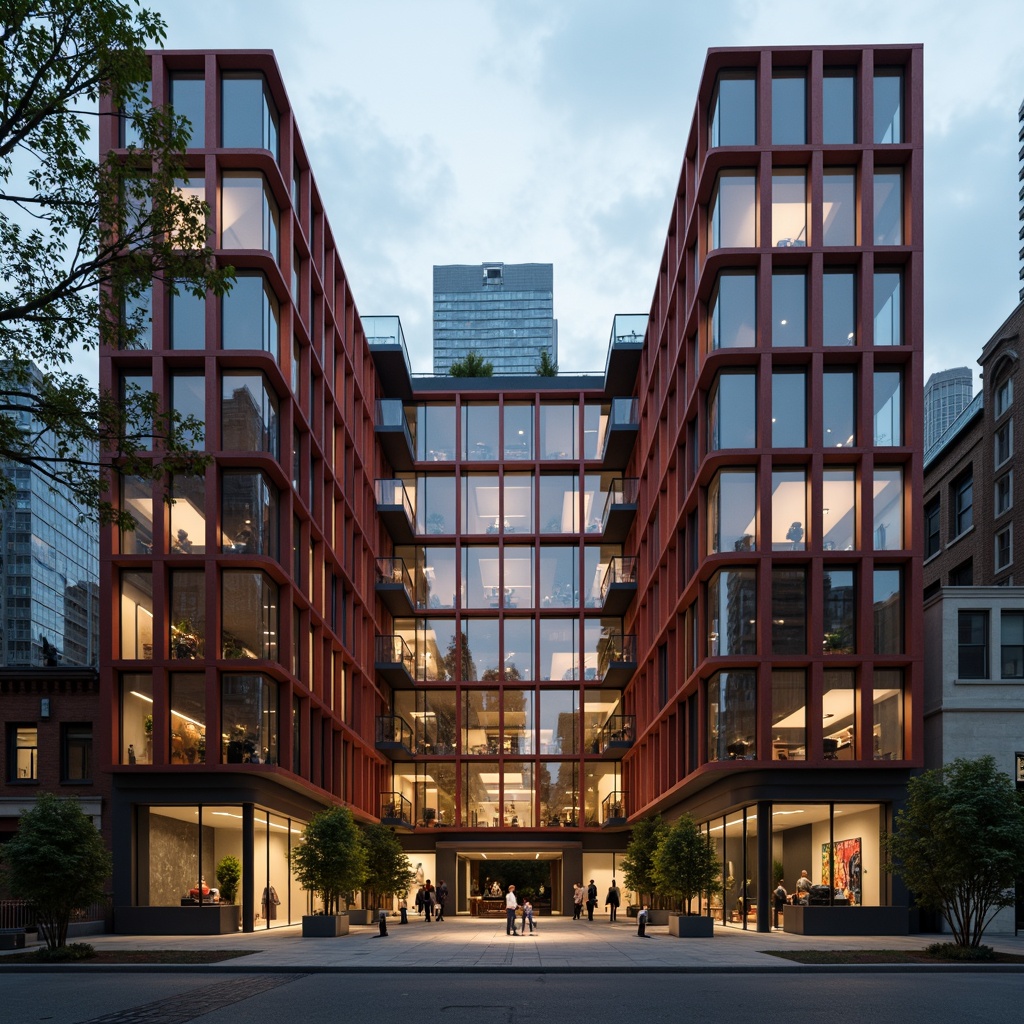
959,844
330,862
81,242
471,365
58,862
685,864
638,863
388,871
546,367
229,874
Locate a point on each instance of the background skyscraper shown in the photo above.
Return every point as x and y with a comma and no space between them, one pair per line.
946,395
502,311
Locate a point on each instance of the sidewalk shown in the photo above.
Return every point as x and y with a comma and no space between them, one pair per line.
558,945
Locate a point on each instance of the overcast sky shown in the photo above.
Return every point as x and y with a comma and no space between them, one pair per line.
552,131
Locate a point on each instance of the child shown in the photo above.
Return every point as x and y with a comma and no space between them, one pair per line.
528,914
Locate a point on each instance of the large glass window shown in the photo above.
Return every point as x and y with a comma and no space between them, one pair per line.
248,115
188,399
517,578
888,108
839,206
436,503
839,120
888,611
559,504
838,610
188,514
789,409
789,308
732,412
188,718
558,790
481,507
839,714
481,584
838,409
76,752
559,721
481,649
789,207
435,433
188,319
249,214
518,436
250,315
789,611
559,576
888,307
249,414
249,719
596,560
188,98
789,108
435,577
517,494
888,524
137,404
839,308
734,311
838,509
135,331
558,430
136,719
249,615
479,432
559,649
972,644
733,111
137,498
789,715
732,716
137,615
888,207
732,511
789,508
249,513
22,753
1004,396
888,408
481,722
888,711
732,612
518,649
517,729
188,614
1011,624
595,424
733,212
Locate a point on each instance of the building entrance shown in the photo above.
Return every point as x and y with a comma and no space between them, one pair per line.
483,880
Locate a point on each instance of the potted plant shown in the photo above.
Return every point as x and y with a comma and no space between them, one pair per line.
329,863
685,865
229,874
389,875
184,640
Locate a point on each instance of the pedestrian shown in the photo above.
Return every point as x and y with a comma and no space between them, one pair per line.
419,900
527,915
641,922
803,885
613,901
429,899
441,895
591,900
577,900
779,900
511,905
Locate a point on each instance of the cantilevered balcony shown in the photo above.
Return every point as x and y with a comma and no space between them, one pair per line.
394,507
625,346
620,433
395,737
392,430
616,659
394,586
618,588
619,509
613,809
386,340
394,662
395,810
615,737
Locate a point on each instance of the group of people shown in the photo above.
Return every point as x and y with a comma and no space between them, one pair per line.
511,907
612,901
799,895
430,900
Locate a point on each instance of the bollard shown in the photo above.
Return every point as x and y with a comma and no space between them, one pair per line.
382,923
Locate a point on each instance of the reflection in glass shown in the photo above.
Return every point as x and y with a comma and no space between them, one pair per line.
888,524
188,98
733,212
732,412
188,320
789,308
249,615
789,409
887,700
518,431
559,649
888,108
559,504
734,311
732,716
248,116
558,431
838,409
732,612
789,715
559,721
789,611
517,730
839,206
838,107
518,649
789,509
839,308
888,307
558,790
435,433
888,207
250,314
888,408
249,513
249,414
482,649
838,510
839,604
479,432
435,504
888,611
789,109
249,719
732,510
732,114
559,576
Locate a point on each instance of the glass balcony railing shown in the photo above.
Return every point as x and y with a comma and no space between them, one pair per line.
390,418
624,491
629,328
385,332
615,652
617,733
394,571
394,493
621,569
395,809
625,412
613,807
394,731
393,650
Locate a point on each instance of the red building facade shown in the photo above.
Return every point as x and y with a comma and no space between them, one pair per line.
509,616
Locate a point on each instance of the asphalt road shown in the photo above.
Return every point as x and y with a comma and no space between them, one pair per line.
440,998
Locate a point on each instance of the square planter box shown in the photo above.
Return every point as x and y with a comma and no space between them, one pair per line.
361,917
324,926
691,927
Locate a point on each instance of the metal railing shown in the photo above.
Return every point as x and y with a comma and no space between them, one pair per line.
395,807
613,806
394,729
393,492
21,914
613,650
393,650
624,491
621,569
619,730
394,570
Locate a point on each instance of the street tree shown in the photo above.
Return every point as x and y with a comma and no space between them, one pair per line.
959,844
685,863
57,861
82,241
388,871
638,863
330,860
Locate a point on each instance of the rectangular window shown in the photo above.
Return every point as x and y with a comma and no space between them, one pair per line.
839,308
839,95
250,315
839,508
888,198
76,753
972,647
249,706
22,753
789,508
732,117
733,311
789,715
839,604
732,511
732,716
249,119
888,106
1004,396
839,709
888,408
888,715
888,524
137,615
789,208
188,97
962,575
188,320
789,109
1004,443
839,206
888,307
249,213
963,504
733,211
789,409
789,308
789,611
888,611
732,612
732,412
932,542
1004,493
838,409
1004,548
1012,644
188,399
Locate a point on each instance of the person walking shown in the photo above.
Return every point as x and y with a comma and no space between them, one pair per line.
779,898
511,905
591,900
419,900
613,900
577,900
641,922
429,899
441,894
527,915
